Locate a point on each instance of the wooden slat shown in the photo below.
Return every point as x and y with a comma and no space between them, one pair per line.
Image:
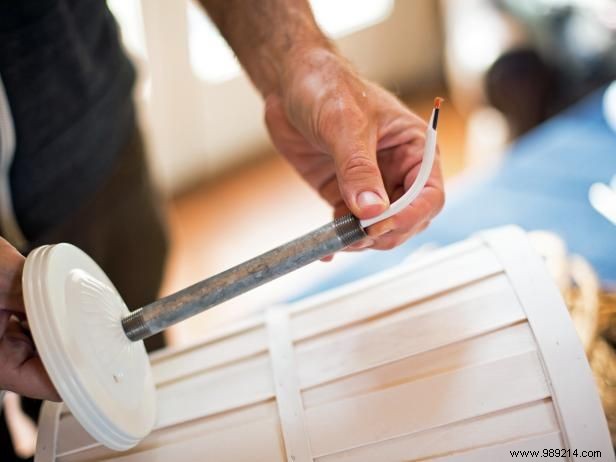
249,442
288,396
71,435
215,354
487,348
435,323
47,442
573,387
259,414
427,403
239,384
459,249
237,328
404,290
500,452
517,423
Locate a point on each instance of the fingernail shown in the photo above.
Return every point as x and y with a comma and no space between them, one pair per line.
367,242
368,198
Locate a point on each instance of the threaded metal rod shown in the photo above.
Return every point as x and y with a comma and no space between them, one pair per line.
159,315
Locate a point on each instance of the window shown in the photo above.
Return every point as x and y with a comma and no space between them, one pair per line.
213,61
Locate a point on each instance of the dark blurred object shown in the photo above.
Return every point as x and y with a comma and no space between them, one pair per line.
607,319
521,86
6,445
572,51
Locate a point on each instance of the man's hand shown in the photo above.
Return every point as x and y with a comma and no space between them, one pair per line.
355,143
21,369
351,140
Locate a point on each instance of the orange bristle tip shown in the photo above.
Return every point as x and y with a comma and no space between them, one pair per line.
437,102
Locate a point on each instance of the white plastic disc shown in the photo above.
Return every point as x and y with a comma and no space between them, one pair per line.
75,314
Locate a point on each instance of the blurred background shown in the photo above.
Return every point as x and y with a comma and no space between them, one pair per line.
527,136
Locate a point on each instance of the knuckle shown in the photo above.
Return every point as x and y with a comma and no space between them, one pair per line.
390,246
387,244
401,225
333,104
18,348
359,165
340,112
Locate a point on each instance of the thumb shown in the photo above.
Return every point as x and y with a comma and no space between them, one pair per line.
359,178
11,268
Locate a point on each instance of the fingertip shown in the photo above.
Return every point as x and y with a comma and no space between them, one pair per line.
363,244
382,227
370,204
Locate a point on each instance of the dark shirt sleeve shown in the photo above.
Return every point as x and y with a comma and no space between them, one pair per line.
69,85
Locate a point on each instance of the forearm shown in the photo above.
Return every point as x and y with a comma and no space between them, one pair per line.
268,36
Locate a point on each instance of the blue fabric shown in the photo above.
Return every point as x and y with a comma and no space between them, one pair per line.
542,184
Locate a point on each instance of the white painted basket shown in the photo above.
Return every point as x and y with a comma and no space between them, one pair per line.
464,355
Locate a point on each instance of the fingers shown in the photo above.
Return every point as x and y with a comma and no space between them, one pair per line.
388,240
397,229
363,244
347,134
408,221
32,380
392,239
11,267
425,207
21,370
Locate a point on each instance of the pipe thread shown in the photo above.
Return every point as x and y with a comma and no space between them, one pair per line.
349,229
134,326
